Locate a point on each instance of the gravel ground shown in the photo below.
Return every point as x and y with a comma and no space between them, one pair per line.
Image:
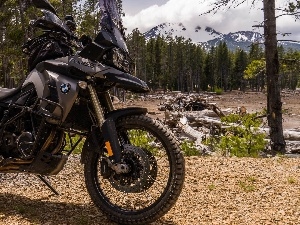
217,191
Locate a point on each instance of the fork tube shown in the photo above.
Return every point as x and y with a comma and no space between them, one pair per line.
107,100
107,126
96,105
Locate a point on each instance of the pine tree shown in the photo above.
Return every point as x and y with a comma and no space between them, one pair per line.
274,104
222,65
240,64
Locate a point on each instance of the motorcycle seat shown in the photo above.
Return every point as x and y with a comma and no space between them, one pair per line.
8,92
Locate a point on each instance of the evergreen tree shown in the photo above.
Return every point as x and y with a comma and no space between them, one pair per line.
256,52
240,64
210,69
223,65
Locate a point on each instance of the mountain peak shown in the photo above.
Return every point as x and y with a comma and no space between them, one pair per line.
208,36
197,33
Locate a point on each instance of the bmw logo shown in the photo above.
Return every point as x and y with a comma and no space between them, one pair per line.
65,88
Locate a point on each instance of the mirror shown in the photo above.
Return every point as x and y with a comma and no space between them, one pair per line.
44,4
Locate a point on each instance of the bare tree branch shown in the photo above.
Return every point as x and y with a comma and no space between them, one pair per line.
226,5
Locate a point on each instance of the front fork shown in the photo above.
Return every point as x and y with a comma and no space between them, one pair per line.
107,126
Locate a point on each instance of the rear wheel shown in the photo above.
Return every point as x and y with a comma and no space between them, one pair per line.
155,178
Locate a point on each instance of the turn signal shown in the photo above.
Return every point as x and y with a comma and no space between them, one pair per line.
82,84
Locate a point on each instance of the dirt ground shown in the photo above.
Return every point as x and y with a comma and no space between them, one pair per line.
257,101
217,190
253,101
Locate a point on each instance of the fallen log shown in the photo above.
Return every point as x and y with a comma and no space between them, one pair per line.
193,134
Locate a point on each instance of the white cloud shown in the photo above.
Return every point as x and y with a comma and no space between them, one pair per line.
287,24
188,12
184,11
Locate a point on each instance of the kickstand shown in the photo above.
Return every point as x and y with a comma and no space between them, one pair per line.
45,181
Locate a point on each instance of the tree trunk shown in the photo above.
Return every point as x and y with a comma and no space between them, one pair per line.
22,17
274,104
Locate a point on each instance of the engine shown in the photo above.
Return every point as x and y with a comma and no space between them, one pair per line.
21,143
24,132
17,140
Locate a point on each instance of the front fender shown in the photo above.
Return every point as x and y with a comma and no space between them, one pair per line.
95,138
128,82
116,114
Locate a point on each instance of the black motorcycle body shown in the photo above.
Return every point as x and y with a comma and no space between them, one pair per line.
67,92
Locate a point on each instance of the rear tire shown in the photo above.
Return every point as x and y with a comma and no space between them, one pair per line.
140,204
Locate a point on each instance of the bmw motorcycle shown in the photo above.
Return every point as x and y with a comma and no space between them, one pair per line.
133,167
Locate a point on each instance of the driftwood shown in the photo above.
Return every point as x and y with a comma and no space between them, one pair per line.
292,137
193,134
293,146
190,114
289,134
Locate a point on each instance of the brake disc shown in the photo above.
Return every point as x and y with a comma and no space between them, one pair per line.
143,171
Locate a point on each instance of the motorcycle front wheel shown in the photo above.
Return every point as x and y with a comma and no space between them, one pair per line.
154,181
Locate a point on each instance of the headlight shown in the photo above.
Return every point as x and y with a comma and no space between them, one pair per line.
119,59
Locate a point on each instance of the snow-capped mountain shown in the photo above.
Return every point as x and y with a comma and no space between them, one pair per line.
240,39
197,34
207,36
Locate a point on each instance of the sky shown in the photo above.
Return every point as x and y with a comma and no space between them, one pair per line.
145,14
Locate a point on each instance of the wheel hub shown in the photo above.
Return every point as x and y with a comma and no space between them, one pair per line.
142,174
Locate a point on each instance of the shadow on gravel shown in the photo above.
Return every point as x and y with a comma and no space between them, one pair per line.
43,211
37,211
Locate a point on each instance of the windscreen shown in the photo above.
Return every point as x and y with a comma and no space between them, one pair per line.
111,20
52,18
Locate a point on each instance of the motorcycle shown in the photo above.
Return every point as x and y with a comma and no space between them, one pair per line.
133,167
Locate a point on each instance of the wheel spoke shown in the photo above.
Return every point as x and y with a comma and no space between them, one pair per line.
137,155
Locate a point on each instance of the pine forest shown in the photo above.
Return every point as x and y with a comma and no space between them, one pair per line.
165,63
